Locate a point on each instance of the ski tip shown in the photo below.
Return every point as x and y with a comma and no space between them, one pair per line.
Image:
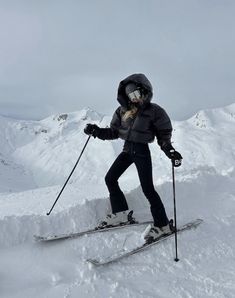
198,220
38,238
42,238
93,262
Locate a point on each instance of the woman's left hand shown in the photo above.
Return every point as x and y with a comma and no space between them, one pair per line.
176,158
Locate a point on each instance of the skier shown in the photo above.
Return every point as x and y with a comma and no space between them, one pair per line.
137,121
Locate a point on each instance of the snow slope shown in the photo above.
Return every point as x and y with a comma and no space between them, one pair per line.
37,158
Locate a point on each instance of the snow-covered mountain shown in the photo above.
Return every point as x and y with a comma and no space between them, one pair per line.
35,159
46,151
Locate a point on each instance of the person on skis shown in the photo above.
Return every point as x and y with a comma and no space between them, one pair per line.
137,121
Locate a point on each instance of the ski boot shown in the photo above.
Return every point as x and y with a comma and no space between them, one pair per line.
117,219
157,232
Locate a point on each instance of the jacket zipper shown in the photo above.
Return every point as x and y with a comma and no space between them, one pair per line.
131,125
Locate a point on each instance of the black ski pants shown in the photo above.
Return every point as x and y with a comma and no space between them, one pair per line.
138,154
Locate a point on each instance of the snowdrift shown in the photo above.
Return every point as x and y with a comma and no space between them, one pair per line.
36,158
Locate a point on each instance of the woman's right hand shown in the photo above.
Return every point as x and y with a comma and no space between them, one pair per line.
92,130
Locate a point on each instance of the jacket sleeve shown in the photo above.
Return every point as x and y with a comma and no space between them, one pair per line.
163,130
111,133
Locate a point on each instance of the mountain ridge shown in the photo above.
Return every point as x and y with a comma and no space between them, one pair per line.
48,149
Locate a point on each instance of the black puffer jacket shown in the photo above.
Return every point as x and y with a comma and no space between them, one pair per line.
151,120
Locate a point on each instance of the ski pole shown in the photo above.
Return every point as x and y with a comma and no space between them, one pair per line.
175,220
69,176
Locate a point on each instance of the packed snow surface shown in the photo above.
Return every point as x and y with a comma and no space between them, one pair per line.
36,158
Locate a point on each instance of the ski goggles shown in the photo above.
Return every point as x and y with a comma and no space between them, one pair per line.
135,95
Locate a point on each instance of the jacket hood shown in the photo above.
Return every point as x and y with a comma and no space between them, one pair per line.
139,79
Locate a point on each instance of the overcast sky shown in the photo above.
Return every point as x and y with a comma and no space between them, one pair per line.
62,55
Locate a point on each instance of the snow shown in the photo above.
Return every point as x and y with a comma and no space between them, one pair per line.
36,157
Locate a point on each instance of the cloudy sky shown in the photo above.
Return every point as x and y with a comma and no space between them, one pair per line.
63,55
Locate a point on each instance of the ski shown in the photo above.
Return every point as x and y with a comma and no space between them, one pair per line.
120,255
91,231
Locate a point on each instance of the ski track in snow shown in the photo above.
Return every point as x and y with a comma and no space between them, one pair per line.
204,190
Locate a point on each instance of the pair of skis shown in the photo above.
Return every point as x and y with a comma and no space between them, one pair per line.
122,254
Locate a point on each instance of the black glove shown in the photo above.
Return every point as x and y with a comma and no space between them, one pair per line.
92,129
175,157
